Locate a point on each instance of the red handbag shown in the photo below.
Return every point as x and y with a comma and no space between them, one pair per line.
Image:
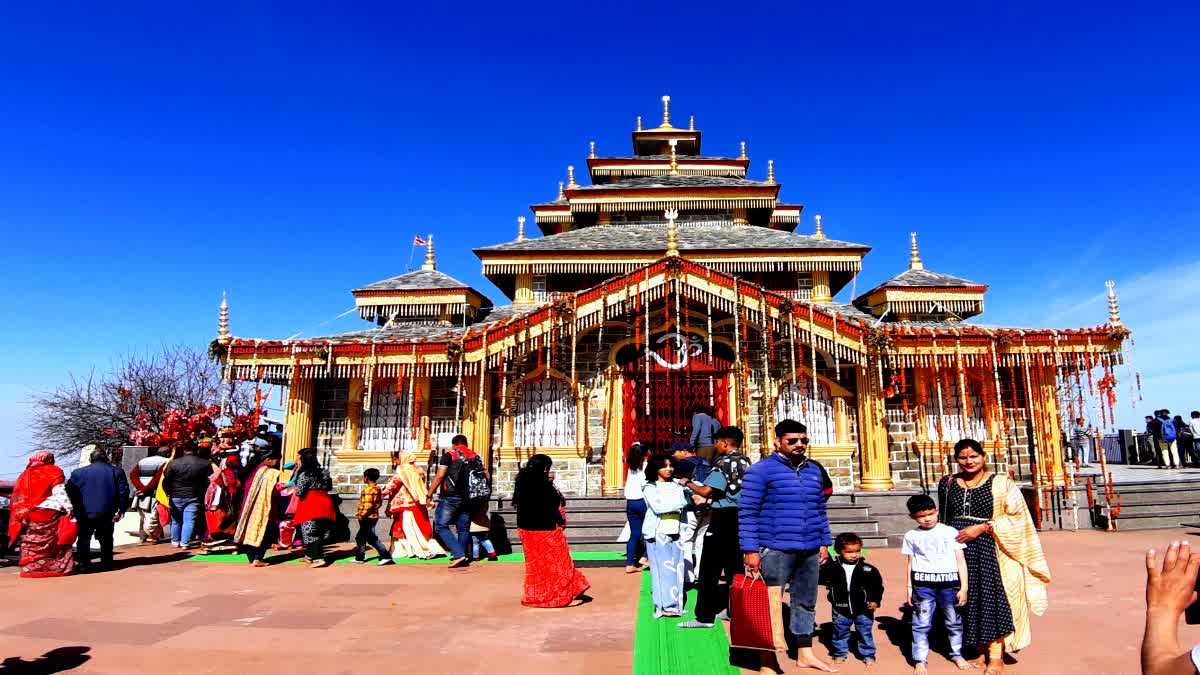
68,531
755,614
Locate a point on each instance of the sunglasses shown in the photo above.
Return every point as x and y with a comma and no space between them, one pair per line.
793,441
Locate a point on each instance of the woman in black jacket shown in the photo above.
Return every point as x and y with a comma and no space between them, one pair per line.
551,579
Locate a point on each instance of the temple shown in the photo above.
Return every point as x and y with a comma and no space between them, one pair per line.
675,279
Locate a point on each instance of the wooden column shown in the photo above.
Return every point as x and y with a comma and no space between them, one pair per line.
820,286
481,441
354,411
872,433
1047,425
614,450
298,425
422,419
841,425
921,376
524,290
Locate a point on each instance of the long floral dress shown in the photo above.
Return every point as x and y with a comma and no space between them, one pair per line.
987,616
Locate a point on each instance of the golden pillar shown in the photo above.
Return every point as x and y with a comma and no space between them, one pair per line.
1047,425
298,425
354,411
524,290
820,286
872,433
841,425
614,451
739,217
422,389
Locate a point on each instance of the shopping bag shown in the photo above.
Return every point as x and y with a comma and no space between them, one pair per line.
755,614
68,531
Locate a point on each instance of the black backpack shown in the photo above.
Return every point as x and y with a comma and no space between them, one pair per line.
469,480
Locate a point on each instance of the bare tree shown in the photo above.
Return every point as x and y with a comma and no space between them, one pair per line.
102,409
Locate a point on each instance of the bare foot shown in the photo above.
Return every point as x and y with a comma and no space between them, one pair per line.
962,664
869,663
995,668
977,662
920,669
632,569
807,659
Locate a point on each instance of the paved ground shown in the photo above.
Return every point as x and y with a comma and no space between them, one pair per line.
160,614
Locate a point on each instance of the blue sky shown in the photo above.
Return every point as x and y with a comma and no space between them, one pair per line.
151,158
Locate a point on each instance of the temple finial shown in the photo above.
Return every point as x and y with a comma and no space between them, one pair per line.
819,232
430,261
914,257
561,194
223,318
639,124
571,184
520,228
743,155
770,172
1114,312
666,123
674,158
672,233
692,123
591,149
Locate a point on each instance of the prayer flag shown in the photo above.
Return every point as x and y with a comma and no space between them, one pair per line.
418,241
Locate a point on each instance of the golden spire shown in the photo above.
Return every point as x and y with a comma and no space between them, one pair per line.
591,149
520,228
1114,313
819,232
674,163
561,195
430,262
914,258
672,233
571,184
692,123
770,172
223,319
666,123
743,155
639,123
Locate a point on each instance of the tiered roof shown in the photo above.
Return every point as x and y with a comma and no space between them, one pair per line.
923,294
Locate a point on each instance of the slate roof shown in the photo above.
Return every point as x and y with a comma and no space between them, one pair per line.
682,180
924,279
425,330
654,238
420,280
678,158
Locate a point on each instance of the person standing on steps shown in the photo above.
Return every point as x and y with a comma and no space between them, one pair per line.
723,486
784,533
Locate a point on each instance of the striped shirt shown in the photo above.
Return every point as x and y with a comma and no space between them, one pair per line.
1081,436
369,502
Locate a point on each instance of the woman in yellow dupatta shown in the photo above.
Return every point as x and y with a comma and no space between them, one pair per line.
412,533
256,528
1006,569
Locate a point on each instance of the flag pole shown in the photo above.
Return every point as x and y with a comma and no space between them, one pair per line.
411,250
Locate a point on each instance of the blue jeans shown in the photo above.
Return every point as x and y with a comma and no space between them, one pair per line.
635,513
924,601
798,569
841,636
184,511
453,509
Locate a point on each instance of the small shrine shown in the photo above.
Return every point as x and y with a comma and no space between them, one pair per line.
675,279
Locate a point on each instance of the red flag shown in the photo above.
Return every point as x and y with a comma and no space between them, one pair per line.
418,241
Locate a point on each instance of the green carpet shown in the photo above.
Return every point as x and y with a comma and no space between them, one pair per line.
659,648
512,557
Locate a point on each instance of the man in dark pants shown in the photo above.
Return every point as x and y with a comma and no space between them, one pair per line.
722,553
101,495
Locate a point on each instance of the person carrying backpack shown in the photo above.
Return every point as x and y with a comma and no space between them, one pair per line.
463,481
1167,447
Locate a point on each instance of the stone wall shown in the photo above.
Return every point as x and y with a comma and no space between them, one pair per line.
574,477
347,476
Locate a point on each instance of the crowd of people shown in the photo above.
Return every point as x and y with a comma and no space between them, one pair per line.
974,557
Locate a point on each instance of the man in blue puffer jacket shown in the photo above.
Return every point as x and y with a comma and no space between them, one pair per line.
784,530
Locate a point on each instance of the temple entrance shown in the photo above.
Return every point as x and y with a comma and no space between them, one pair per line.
663,386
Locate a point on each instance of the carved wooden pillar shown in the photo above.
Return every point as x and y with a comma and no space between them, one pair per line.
614,450
820,286
1050,458
298,425
841,425
920,408
872,433
354,411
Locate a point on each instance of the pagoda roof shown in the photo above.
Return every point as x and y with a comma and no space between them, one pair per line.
420,280
654,238
667,158
679,181
922,278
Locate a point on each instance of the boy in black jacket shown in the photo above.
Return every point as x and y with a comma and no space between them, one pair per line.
855,591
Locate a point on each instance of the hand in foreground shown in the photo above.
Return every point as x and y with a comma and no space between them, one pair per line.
1173,587
969,533
960,598
753,562
824,553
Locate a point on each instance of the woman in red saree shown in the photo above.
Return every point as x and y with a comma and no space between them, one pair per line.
551,579
412,533
39,505
222,499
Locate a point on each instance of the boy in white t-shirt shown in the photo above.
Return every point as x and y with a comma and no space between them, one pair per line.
937,578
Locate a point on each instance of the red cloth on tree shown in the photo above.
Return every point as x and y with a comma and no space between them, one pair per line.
551,579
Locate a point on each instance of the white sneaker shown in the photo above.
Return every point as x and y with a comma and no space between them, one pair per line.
385,561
